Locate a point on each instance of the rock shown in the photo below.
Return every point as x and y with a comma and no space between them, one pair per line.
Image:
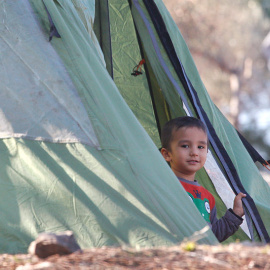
48,244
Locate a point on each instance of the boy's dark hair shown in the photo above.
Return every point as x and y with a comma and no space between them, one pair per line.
175,124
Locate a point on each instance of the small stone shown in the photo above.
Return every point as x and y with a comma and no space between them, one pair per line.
48,244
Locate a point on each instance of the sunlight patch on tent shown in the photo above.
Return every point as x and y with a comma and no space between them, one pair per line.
38,99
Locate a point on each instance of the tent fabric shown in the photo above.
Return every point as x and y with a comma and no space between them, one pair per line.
102,31
220,123
80,135
126,54
162,80
173,85
115,190
50,108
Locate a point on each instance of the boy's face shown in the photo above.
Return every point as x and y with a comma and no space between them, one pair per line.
188,152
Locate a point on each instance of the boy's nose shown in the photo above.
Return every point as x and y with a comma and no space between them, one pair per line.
193,152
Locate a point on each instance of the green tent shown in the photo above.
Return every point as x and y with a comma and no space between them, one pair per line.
80,121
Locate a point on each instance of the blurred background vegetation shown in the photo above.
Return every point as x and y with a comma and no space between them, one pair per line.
230,44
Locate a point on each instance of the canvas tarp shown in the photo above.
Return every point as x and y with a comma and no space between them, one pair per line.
73,155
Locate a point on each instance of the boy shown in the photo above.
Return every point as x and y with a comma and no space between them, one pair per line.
185,146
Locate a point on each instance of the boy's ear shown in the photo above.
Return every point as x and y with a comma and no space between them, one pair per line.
165,153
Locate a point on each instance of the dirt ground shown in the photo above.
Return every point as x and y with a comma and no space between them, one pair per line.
187,256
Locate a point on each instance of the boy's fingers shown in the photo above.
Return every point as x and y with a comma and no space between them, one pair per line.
241,195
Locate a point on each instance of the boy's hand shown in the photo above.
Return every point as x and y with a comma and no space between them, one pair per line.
237,204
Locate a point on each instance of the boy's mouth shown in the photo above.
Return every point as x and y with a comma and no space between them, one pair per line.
193,162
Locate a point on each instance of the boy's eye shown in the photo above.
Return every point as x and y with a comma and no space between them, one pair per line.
201,147
184,146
